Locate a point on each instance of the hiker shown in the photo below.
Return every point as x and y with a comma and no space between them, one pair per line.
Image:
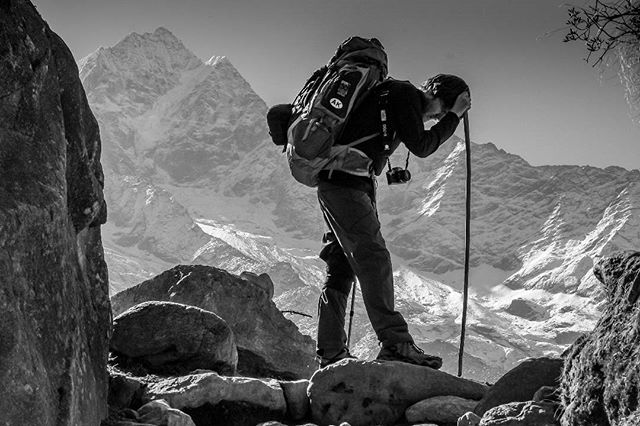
354,246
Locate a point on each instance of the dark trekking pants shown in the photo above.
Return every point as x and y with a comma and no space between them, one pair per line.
360,250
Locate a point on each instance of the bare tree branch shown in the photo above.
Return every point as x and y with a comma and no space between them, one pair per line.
602,26
610,31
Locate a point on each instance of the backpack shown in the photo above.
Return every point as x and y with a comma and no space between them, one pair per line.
322,108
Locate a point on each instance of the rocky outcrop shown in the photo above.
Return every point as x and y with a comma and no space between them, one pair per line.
528,413
171,337
527,309
54,295
350,392
230,400
201,388
269,345
372,392
522,382
208,397
600,382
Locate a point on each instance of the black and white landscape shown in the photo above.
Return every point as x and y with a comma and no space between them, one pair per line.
191,176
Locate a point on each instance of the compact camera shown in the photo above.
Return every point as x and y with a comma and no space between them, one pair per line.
398,175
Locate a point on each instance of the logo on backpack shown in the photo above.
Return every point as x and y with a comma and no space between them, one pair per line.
336,103
323,106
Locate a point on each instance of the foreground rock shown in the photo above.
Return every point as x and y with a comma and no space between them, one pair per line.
54,305
295,393
125,390
269,345
522,382
171,337
229,400
160,413
439,409
528,413
370,392
154,413
600,382
468,419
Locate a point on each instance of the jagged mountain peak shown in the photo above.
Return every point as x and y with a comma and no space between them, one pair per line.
160,36
156,59
163,32
171,115
161,46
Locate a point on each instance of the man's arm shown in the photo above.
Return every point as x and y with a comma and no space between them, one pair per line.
406,115
431,139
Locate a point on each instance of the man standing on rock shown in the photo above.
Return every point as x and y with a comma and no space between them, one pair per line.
354,247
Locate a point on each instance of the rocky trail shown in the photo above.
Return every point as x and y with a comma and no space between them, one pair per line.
539,391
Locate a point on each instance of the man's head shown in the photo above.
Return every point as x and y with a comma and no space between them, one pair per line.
441,92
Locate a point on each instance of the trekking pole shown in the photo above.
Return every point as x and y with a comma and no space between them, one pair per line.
467,242
353,301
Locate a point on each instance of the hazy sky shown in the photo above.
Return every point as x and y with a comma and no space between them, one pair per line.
532,94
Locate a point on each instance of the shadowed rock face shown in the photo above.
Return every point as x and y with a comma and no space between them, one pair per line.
54,300
521,383
174,338
268,344
600,382
528,310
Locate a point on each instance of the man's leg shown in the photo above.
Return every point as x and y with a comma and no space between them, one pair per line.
352,216
332,305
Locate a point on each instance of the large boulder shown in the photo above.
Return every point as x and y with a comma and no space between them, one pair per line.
373,392
228,400
175,338
521,382
54,303
269,345
601,380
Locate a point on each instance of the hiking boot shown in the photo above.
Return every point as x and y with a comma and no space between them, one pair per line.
342,355
408,352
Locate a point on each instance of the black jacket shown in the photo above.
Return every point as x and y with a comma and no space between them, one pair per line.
405,107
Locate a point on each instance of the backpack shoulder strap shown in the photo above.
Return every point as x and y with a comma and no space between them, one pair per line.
386,130
388,134
362,139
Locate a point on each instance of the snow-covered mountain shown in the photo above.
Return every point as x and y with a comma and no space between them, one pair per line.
191,176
